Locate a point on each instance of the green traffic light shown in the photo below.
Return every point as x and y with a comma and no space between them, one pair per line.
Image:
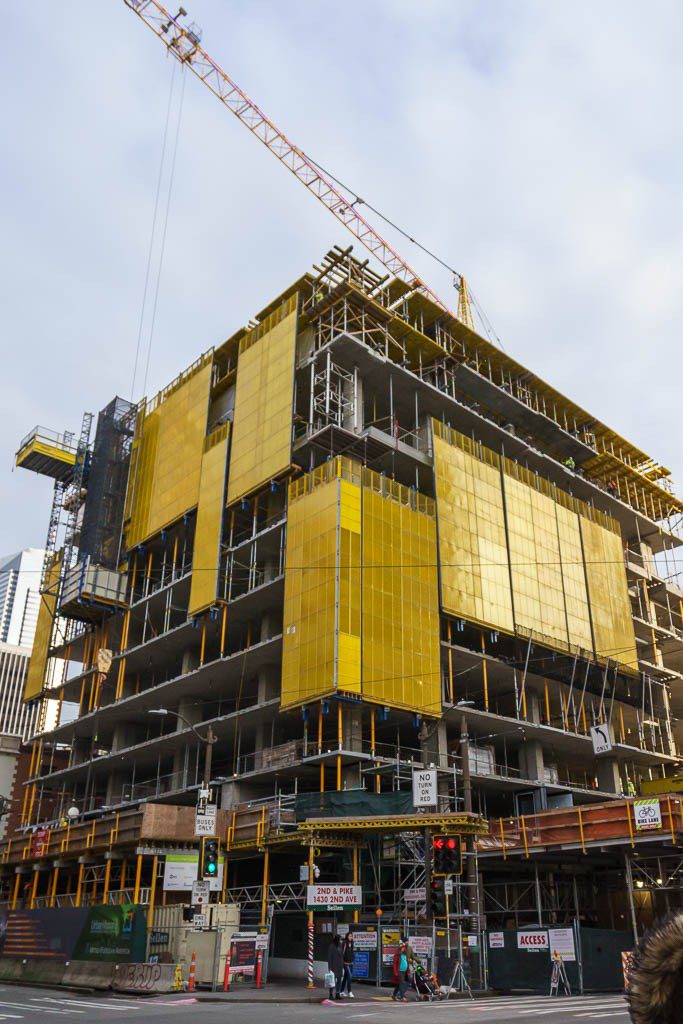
211,868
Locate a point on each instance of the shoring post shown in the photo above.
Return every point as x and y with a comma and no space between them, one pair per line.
79,887
311,935
15,894
583,838
671,822
138,875
485,674
340,730
152,893
107,878
53,889
631,903
264,888
122,881
34,887
630,826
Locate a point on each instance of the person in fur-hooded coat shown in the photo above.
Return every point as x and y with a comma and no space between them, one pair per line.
655,993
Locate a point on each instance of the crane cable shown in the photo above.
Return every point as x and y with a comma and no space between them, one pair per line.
153,232
457,276
163,237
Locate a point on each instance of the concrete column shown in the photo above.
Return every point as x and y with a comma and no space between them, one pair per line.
352,739
609,780
531,764
434,749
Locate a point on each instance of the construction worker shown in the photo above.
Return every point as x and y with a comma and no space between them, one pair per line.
570,464
655,992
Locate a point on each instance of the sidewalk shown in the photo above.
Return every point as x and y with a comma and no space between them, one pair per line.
295,991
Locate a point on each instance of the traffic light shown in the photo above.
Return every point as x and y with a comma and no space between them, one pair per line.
208,858
446,856
437,897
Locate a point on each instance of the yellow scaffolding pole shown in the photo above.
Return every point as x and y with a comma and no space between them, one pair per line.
152,892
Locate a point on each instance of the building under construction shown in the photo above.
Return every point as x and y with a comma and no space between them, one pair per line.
354,540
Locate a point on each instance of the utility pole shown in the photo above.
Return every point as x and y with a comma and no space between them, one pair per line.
209,740
470,860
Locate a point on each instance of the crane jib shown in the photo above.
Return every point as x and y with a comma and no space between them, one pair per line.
183,42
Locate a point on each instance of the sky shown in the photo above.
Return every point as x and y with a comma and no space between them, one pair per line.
536,147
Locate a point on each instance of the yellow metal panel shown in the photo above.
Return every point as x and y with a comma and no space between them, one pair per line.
167,454
308,654
262,428
207,538
475,579
535,562
400,603
574,579
610,604
37,666
374,629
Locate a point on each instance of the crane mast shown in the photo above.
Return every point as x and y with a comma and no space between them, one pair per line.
183,42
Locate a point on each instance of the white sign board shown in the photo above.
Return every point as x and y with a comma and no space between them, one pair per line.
424,787
200,892
262,941
562,943
205,821
421,945
364,940
418,895
496,940
180,873
648,814
533,942
448,887
602,740
198,922
327,897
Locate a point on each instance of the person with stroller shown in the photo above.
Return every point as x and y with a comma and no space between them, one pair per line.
401,977
347,976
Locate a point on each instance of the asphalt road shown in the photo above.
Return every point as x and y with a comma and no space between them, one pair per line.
33,1005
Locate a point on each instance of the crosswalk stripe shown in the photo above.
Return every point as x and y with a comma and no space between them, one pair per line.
24,1006
90,1006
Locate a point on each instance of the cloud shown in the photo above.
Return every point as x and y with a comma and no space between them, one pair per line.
536,147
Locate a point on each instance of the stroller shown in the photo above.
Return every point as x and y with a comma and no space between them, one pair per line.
425,984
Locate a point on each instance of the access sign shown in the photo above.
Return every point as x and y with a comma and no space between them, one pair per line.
329,897
532,942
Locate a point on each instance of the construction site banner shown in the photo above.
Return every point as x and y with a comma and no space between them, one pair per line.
104,934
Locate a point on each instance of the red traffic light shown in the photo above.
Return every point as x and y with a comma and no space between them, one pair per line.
451,844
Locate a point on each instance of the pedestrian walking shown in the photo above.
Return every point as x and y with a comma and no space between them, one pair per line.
347,976
401,973
335,964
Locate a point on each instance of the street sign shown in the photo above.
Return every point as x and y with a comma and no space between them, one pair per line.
328,897
200,892
448,887
424,787
602,739
205,821
417,895
198,923
648,814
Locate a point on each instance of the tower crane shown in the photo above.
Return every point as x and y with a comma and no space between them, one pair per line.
183,42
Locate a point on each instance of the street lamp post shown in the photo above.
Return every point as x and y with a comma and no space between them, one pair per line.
209,739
